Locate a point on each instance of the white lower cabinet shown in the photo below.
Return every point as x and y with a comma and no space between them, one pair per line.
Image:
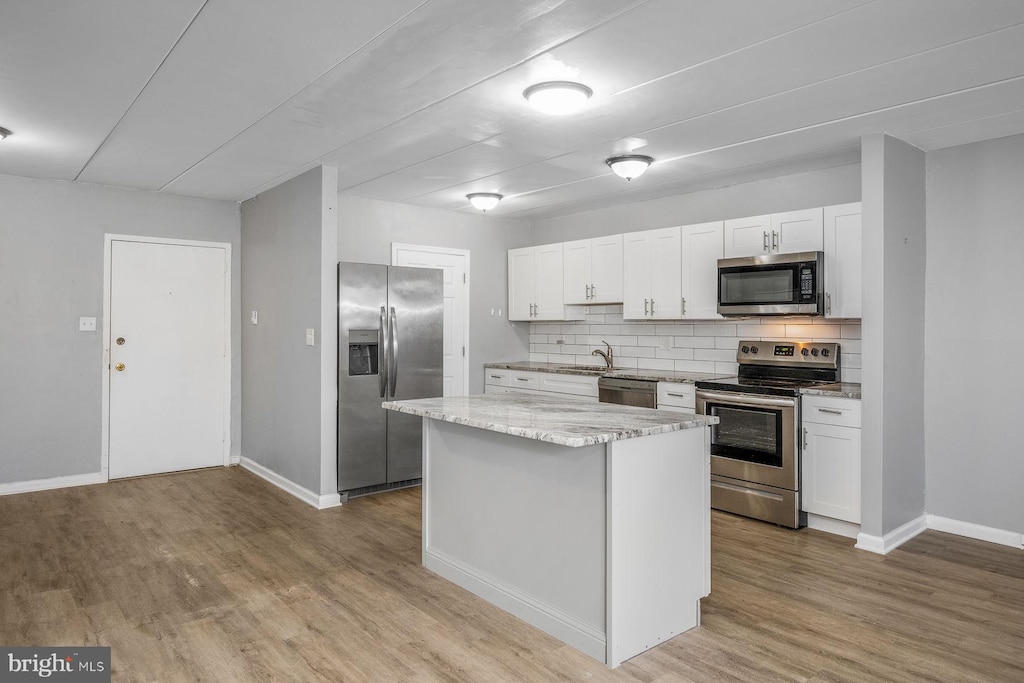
530,382
677,396
830,465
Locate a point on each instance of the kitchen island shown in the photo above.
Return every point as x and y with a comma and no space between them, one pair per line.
589,521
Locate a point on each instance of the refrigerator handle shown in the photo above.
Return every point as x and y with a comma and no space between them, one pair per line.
382,353
393,370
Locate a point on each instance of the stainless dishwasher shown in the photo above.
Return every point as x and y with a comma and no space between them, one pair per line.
628,392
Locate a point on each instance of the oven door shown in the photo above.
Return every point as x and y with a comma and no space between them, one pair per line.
755,439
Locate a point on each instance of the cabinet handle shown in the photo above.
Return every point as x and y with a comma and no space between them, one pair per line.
805,438
593,292
683,311
830,411
495,376
586,288
775,241
652,306
673,393
645,307
828,303
764,235
527,379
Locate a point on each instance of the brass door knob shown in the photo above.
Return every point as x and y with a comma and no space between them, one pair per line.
119,367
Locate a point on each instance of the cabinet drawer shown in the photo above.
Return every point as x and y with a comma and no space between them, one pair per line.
524,380
676,409
576,385
495,389
499,378
677,394
842,412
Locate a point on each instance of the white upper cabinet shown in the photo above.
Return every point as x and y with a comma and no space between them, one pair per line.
702,246
747,236
535,285
778,233
843,261
796,231
593,270
651,275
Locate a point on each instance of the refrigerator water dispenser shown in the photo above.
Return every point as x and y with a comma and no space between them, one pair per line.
362,352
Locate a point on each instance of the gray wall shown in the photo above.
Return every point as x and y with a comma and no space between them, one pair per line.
837,185
51,273
974,283
282,232
366,229
893,460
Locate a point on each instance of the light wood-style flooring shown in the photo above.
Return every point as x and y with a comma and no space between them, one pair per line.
215,575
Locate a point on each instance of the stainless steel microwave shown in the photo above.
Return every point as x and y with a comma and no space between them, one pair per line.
776,284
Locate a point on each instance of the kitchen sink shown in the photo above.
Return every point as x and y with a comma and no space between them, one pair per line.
587,369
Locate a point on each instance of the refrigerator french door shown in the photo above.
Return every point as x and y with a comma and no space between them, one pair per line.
390,326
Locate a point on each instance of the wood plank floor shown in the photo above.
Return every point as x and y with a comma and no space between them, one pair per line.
215,575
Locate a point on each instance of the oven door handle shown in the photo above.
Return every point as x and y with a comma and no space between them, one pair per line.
747,399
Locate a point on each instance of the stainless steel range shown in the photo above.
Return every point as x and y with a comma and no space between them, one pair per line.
755,449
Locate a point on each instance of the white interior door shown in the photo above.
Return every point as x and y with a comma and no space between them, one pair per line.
168,325
455,264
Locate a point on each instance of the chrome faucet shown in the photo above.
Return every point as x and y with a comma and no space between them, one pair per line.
607,356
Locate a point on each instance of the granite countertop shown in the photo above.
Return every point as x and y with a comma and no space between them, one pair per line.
600,371
837,390
567,422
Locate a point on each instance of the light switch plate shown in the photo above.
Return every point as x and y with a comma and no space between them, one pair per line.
86,324
253,317
310,336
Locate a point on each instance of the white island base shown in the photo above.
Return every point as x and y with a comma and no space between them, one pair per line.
605,546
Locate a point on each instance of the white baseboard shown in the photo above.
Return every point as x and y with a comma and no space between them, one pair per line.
883,545
976,531
234,459
583,637
833,526
52,483
319,501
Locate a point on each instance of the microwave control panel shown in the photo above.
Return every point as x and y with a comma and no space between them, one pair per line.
807,283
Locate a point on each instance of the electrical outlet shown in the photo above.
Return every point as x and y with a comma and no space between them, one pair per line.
87,324
254,317
310,336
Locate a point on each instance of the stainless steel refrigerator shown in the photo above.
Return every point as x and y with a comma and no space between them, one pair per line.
390,326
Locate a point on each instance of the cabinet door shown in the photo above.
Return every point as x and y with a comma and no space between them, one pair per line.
606,269
843,261
548,293
702,246
747,236
666,274
576,258
522,281
796,231
636,275
831,471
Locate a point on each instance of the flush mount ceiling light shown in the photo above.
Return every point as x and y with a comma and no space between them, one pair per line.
4,133
484,200
558,97
629,166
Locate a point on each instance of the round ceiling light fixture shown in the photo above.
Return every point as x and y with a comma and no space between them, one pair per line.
4,133
484,200
558,98
629,166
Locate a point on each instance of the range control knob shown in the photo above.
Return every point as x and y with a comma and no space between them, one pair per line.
814,352
745,349
804,351
825,353
753,349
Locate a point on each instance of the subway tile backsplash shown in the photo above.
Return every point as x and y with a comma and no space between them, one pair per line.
701,346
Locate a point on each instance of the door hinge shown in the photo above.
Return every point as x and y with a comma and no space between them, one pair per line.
463,278
463,351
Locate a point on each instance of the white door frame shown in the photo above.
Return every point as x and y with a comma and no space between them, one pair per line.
396,246
108,240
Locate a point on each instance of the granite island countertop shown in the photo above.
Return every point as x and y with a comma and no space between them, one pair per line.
598,371
837,390
563,421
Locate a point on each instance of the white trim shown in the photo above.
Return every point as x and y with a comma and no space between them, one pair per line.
464,253
108,240
883,545
320,502
976,531
833,526
565,627
52,483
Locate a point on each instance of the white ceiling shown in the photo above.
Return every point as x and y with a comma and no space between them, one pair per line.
420,101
